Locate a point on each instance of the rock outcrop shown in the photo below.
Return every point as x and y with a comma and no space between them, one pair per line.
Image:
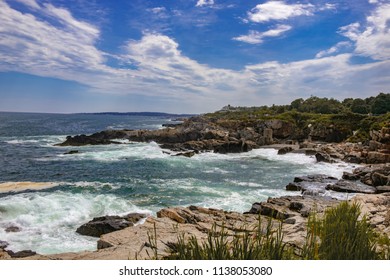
374,175
107,224
318,185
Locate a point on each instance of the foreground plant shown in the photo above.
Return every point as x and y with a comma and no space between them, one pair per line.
258,243
341,234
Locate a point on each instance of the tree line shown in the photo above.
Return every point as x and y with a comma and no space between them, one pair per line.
375,105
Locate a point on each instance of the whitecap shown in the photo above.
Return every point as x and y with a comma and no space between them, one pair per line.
48,220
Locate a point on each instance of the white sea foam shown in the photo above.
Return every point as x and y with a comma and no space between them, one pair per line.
42,141
20,142
246,184
48,220
216,170
304,164
114,152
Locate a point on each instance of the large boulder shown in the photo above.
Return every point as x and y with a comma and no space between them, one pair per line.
374,175
323,157
21,254
107,224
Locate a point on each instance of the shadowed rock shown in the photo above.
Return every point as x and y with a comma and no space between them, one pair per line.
21,254
3,244
13,229
107,224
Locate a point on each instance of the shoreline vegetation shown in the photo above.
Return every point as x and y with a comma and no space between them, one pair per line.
289,227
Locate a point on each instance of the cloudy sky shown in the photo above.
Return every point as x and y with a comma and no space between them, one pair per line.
188,56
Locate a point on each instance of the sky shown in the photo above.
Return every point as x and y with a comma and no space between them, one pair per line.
188,56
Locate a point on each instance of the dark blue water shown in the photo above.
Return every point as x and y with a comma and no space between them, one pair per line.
121,178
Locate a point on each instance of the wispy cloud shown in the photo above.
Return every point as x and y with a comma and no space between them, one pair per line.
48,50
373,38
255,37
334,49
158,10
30,3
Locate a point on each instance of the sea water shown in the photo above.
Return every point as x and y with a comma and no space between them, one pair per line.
123,178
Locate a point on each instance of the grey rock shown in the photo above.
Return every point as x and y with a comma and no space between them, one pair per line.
382,189
13,229
3,244
284,150
71,152
107,224
322,157
350,176
350,187
21,254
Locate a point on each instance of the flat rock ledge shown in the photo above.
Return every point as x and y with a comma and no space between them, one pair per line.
16,187
319,184
135,242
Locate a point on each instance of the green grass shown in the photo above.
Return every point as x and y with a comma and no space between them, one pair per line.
254,244
341,235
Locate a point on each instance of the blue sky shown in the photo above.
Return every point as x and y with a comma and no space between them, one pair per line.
188,56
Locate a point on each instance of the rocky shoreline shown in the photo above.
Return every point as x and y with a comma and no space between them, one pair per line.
125,238
199,134
133,242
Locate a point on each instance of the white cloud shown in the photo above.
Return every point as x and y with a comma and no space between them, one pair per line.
327,6
65,48
30,3
333,50
255,37
350,31
87,30
279,10
30,45
372,39
202,3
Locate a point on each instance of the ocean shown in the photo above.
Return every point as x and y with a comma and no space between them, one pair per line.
123,178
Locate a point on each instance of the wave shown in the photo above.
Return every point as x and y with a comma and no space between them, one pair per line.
48,221
42,141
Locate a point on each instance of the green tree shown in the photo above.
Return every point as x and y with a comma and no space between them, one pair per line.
381,104
296,104
360,106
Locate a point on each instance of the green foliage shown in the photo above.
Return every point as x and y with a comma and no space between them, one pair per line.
377,105
342,235
359,106
259,243
381,104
